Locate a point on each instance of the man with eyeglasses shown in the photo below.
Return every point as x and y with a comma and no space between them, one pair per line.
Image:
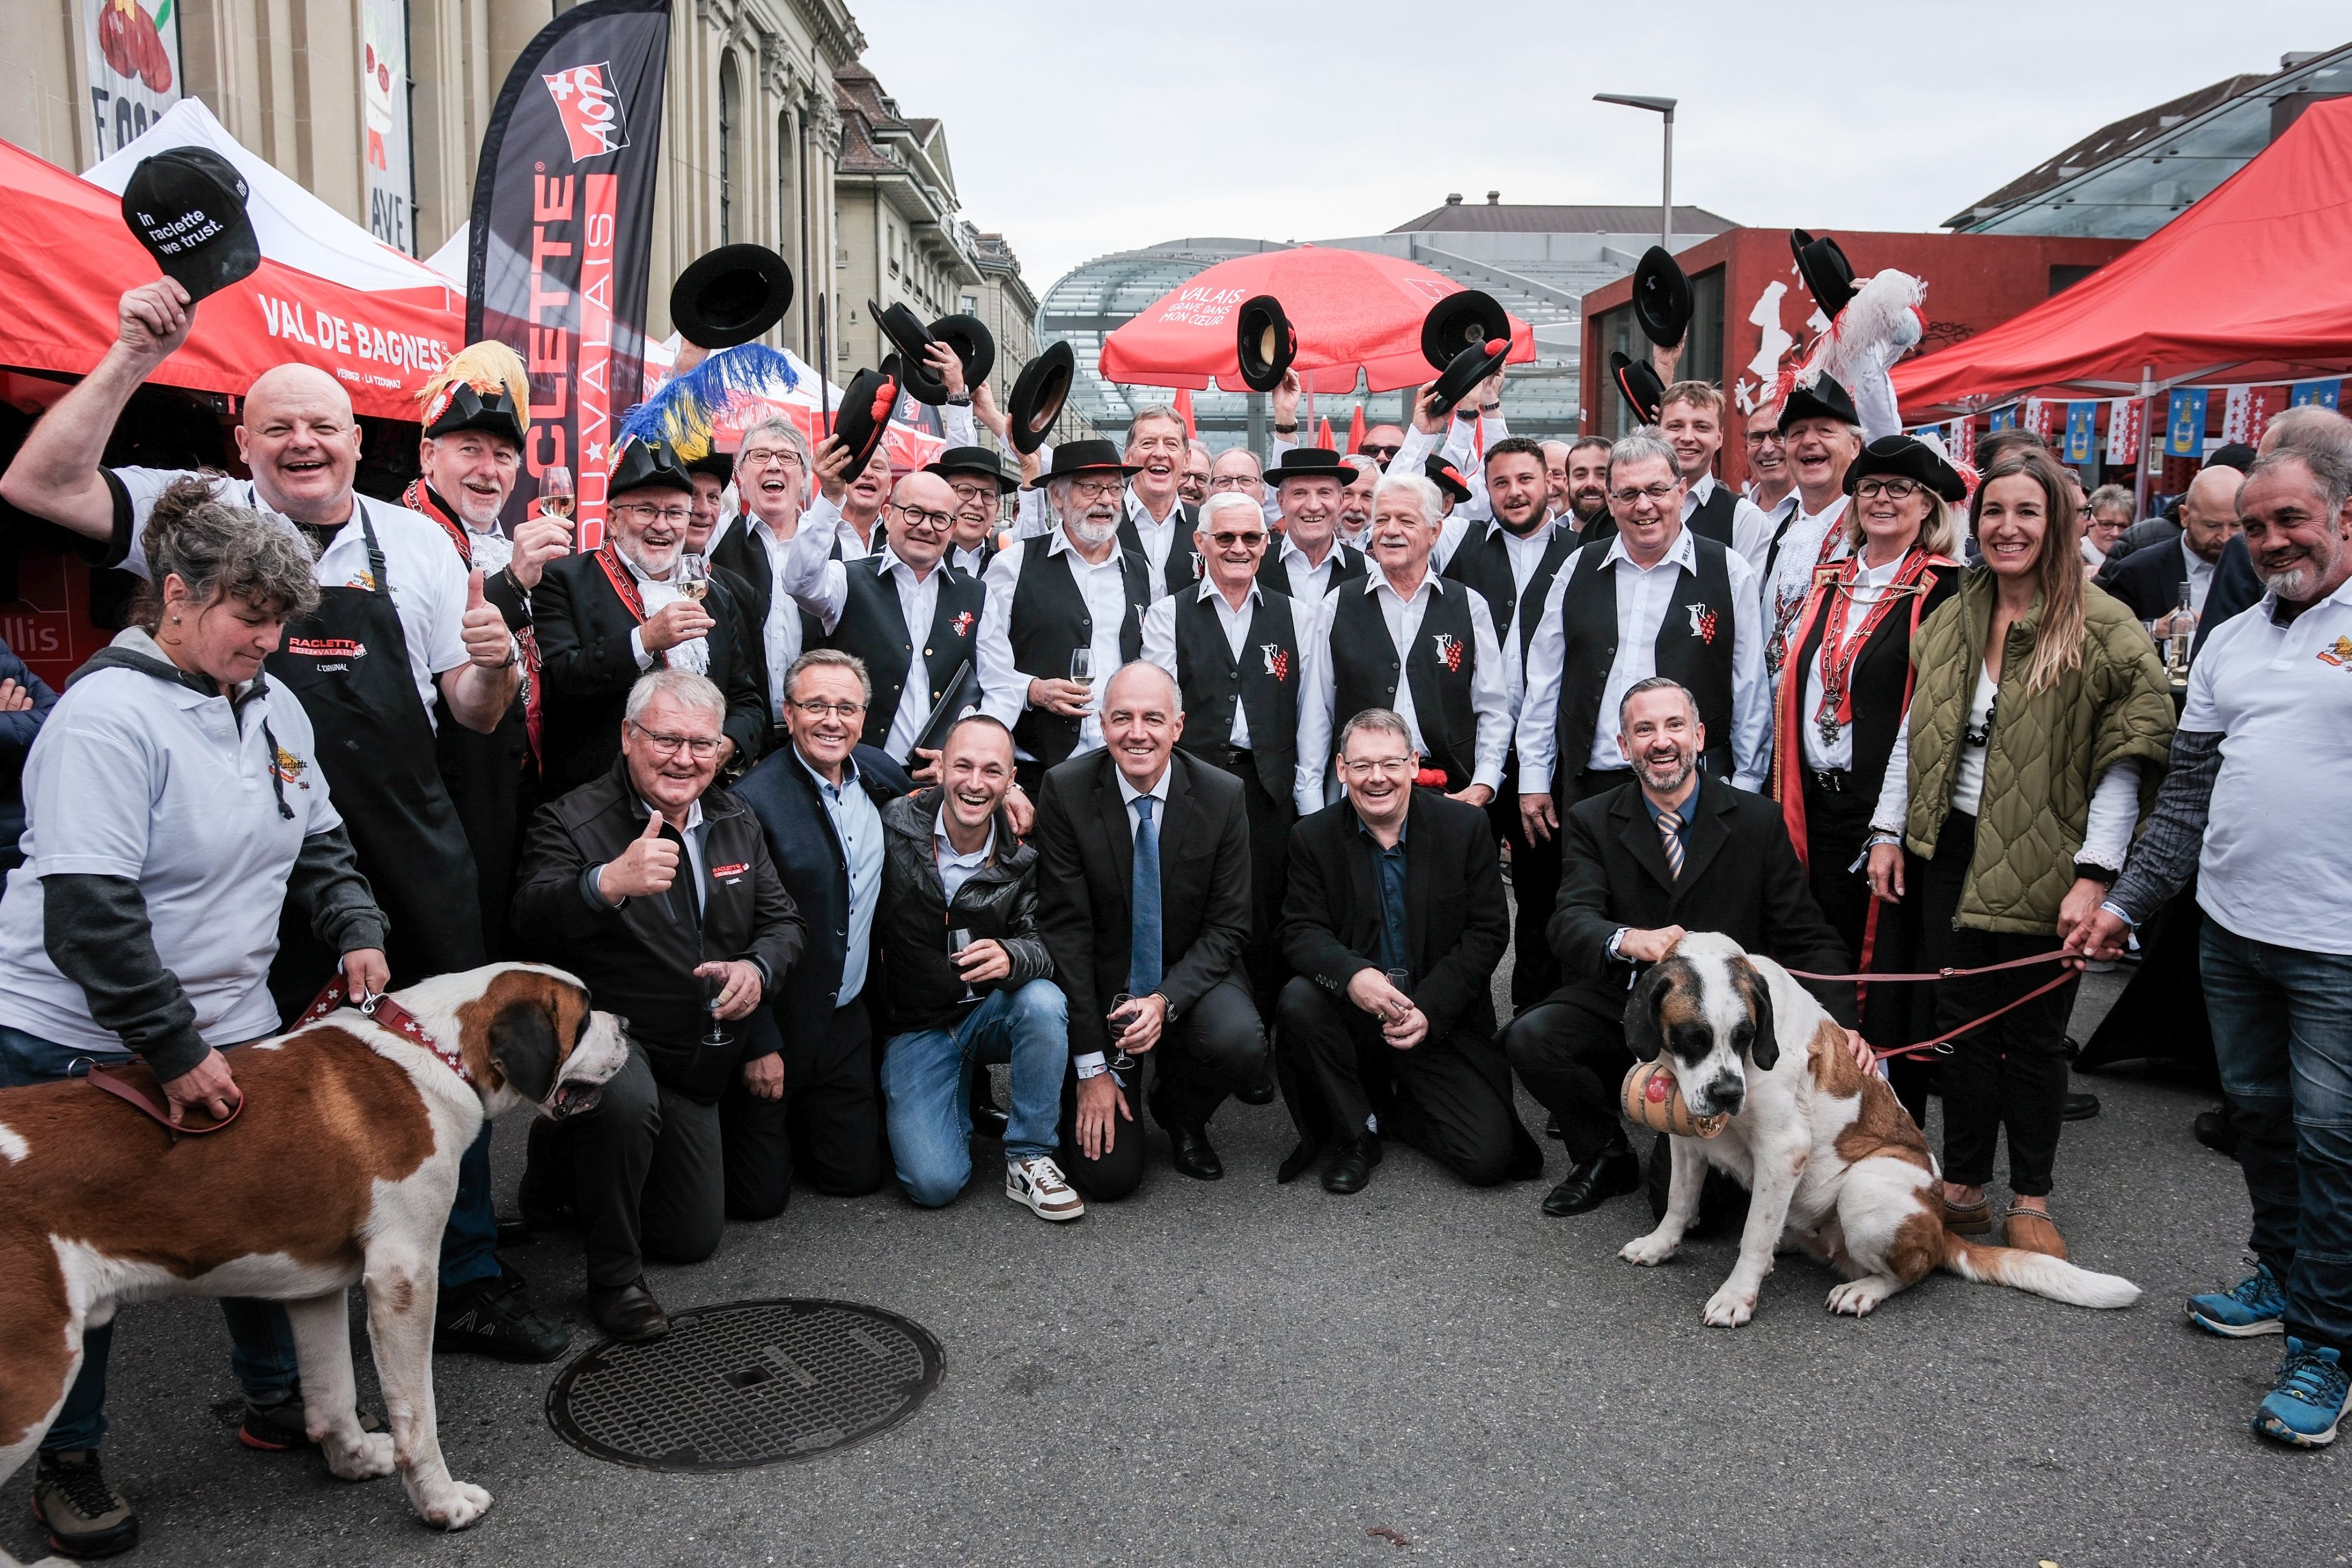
1690,417
1238,469
1194,486
1237,655
977,476
773,472
606,617
1309,482
657,886
1770,480
1654,600
1381,443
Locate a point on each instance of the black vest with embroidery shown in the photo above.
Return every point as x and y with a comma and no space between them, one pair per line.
1265,682
1437,669
1693,646
1714,518
873,626
1050,621
1484,562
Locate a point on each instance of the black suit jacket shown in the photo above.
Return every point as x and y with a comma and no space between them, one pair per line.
2235,590
1740,877
1085,879
586,669
2148,580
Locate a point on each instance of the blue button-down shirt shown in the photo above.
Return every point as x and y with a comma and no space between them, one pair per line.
1388,871
859,827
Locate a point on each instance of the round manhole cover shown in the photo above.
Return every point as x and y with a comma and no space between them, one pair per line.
744,1384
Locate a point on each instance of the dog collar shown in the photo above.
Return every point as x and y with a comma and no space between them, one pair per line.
382,1009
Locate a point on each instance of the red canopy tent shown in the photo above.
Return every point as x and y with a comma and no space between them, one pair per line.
2251,283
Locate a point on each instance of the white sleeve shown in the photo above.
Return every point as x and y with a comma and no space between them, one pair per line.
1461,440
637,649
1413,455
1003,690
818,583
447,585
1279,444
2115,811
143,486
1752,691
1493,430
957,425
1490,694
1751,531
1450,535
1536,734
1034,516
1894,807
1317,693
1159,635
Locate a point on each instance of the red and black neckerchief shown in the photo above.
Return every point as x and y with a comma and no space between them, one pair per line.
625,583
1840,649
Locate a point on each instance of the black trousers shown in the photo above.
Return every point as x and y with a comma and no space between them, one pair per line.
827,1128
1534,888
1270,821
1440,1103
1215,1049
640,1171
1837,822
1571,1054
2010,1074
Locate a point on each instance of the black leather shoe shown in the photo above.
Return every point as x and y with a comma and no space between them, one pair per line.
495,1319
1351,1165
1551,1126
2080,1107
1258,1093
1189,1152
1596,1181
628,1313
2216,1131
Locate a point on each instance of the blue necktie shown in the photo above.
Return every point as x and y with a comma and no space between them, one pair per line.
1143,972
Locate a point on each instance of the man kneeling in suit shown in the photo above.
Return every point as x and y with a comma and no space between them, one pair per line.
1395,920
1143,888
1674,850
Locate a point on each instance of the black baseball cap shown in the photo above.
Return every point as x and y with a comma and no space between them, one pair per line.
186,205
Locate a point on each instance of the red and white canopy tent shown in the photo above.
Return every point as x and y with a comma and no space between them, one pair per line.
2250,285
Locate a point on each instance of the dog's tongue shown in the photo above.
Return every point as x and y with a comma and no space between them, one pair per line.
571,1099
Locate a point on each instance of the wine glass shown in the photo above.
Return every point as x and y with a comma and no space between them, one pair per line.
957,940
556,496
1082,666
1401,979
693,577
1118,1058
713,987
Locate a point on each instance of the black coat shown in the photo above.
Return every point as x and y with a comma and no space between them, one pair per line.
1085,871
2147,581
639,960
1740,877
2234,590
586,669
997,901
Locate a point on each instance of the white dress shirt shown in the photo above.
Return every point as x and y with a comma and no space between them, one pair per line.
1752,528
1869,585
821,586
1525,553
1004,688
1309,580
1644,595
780,638
1159,537
1801,549
1159,640
657,594
1318,684
1460,445
2201,574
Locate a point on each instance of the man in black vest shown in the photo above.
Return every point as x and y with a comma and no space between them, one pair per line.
1512,560
772,476
977,476
1158,523
912,622
1311,558
1054,594
1234,652
1652,600
1690,416
1407,641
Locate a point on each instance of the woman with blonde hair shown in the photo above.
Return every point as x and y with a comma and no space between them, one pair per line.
2039,720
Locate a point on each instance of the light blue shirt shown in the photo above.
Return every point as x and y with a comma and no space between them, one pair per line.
956,869
859,827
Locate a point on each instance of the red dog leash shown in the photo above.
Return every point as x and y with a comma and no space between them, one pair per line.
1941,1044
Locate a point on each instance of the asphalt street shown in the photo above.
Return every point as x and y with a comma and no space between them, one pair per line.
1239,1373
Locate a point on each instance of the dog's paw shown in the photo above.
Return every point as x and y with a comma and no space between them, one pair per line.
1731,1307
456,1508
365,1458
1856,1297
1648,1251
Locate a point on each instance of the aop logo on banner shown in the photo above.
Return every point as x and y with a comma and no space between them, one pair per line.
593,116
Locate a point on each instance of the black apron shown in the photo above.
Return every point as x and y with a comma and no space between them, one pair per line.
348,664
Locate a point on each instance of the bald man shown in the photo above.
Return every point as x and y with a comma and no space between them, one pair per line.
400,620
1143,900
2150,581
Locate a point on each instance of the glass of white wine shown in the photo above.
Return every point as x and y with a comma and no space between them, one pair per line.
556,495
1082,666
693,576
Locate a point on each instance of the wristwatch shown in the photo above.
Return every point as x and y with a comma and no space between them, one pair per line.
964,401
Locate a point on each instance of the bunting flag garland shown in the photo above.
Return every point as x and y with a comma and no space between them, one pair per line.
2001,419
2184,423
2323,393
2124,437
1961,442
2038,414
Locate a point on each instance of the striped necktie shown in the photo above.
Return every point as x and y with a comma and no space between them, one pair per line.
1144,972
1670,838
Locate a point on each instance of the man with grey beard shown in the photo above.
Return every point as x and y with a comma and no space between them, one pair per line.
1056,595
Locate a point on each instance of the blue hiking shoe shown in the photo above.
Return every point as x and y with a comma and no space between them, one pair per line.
2254,1306
2304,1406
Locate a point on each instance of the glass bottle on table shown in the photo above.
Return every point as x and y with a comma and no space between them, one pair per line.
2184,633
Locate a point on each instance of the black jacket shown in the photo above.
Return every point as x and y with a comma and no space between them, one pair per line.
587,668
639,960
998,901
2235,590
1086,868
1740,877
2147,581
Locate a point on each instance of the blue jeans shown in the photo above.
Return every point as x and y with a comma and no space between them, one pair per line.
927,1076
261,1342
470,1242
2283,1035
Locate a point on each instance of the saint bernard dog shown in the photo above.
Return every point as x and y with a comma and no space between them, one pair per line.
1834,1164
342,1167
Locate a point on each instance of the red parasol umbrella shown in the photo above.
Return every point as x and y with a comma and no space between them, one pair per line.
1356,312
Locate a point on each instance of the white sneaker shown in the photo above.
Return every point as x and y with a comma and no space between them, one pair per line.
1038,1182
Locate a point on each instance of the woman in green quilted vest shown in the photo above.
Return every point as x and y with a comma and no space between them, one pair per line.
2040,721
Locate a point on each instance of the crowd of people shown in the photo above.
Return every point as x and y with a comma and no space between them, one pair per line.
1187,778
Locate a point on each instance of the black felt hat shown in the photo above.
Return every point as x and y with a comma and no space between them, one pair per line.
1310,462
1661,297
648,464
1823,400
1638,379
865,416
907,334
975,345
1468,368
1447,478
1906,457
1464,320
973,460
730,296
186,205
720,464
1089,456
1266,341
1828,275
1038,393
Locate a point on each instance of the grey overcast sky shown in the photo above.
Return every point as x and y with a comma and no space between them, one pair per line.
1082,126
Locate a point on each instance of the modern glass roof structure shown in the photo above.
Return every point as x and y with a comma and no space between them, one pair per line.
1538,261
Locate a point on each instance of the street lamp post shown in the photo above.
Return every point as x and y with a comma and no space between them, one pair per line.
1664,107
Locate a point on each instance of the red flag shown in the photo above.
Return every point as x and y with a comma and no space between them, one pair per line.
1323,437
1356,431
1184,412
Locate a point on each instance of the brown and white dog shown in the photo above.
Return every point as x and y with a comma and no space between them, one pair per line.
342,1167
1833,1161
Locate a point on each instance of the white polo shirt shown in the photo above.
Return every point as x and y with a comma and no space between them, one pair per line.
141,777
2274,867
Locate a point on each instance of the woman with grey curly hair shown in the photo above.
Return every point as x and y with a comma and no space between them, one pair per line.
172,805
